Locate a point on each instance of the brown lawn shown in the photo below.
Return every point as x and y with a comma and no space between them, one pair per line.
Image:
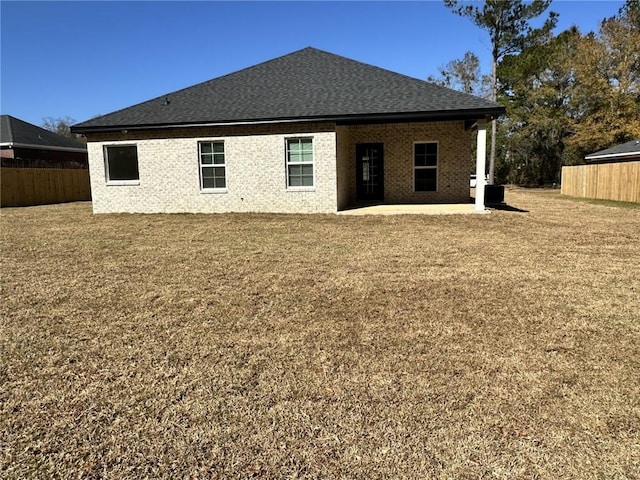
283,346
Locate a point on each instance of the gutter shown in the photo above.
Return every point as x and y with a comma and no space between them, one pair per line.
612,155
41,147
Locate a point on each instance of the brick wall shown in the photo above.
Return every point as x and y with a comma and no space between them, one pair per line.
6,152
255,171
454,159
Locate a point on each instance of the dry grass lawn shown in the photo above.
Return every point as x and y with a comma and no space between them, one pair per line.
284,346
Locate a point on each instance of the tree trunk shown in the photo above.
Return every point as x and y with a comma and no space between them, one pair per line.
494,95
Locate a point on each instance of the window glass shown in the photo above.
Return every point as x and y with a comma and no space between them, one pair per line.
426,155
425,162
122,163
212,177
426,180
206,148
300,162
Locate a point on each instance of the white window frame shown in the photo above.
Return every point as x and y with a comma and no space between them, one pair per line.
436,167
213,165
287,164
105,154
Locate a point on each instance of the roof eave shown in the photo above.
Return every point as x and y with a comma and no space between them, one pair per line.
433,116
489,113
611,156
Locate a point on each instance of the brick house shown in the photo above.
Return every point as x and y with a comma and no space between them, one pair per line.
24,145
39,167
307,132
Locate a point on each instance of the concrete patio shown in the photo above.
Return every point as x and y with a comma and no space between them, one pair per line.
409,209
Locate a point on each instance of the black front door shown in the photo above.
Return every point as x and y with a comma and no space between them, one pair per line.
369,171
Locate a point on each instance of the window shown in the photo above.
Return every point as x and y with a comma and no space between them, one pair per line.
213,168
425,167
121,164
299,162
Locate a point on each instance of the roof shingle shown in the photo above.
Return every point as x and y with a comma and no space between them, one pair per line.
629,149
304,85
20,133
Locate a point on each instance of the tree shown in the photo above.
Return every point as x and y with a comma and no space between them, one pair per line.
571,96
607,69
507,22
61,126
537,87
568,96
464,75
630,11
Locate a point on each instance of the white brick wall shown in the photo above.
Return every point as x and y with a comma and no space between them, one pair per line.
255,175
256,172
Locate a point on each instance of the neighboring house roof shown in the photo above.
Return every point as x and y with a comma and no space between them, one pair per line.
625,151
16,133
307,85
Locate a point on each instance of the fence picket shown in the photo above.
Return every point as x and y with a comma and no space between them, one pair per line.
606,181
38,186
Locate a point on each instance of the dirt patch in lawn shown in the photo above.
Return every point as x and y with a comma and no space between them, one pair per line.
283,346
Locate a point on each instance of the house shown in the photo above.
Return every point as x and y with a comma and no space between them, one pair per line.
40,167
306,132
626,152
24,145
610,174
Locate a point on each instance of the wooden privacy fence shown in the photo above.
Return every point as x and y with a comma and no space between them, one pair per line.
38,186
606,181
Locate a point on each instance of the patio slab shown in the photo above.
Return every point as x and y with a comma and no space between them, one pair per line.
408,209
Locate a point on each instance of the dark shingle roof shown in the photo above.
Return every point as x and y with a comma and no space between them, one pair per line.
304,85
19,133
619,152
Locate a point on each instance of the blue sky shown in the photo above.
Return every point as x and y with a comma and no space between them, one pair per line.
81,59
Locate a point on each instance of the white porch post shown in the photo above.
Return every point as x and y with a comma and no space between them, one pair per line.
481,160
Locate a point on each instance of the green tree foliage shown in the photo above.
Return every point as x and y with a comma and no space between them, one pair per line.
571,96
465,76
607,70
508,24
537,89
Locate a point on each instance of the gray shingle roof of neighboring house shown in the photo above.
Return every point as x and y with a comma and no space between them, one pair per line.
624,151
18,133
307,85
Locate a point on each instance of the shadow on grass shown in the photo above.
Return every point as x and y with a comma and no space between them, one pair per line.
505,208
500,206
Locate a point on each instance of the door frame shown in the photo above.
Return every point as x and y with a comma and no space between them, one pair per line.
360,194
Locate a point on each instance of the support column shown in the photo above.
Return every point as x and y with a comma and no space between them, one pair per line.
481,161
